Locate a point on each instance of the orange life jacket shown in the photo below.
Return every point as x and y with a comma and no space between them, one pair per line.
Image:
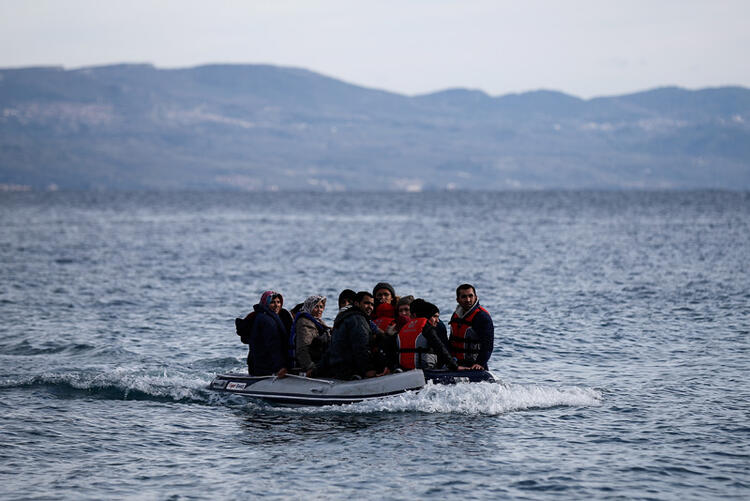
464,345
410,346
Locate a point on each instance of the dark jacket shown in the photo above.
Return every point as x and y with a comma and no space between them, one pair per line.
349,353
437,348
442,332
268,343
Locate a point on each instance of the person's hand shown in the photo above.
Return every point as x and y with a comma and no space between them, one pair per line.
281,373
391,330
309,373
385,372
477,367
370,373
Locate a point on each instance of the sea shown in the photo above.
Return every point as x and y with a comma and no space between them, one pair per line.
621,340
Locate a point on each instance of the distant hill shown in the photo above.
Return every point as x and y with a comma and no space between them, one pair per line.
258,127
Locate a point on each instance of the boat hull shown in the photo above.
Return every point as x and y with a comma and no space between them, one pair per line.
303,391
299,390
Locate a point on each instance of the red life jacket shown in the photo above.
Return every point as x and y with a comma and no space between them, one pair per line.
464,348
407,343
383,316
383,322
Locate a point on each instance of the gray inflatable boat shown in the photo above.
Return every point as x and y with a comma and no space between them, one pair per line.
300,390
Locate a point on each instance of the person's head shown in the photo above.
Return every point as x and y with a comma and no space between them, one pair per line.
422,309
383,293
273,300
346,297
314,305
466,296
296,309
365,302
403,309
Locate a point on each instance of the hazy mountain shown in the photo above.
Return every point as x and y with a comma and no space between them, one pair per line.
265,127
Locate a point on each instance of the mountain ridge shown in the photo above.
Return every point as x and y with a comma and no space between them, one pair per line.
266,127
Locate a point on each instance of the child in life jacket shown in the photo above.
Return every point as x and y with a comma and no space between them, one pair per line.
403,311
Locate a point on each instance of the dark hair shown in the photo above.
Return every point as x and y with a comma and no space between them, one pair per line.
361,295
347,296
421,308
296,309
463,287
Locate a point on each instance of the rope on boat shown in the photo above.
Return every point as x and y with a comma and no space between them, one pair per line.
310,379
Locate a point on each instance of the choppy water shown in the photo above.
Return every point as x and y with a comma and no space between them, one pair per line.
621,323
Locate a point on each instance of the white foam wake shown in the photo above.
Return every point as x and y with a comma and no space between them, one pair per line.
481,398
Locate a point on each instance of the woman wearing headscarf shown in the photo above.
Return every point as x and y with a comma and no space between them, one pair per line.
268,338
310,335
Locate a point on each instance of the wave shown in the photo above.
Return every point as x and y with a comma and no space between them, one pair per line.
121,384
479,399
26,348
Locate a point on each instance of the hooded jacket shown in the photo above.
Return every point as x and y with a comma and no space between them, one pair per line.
268,343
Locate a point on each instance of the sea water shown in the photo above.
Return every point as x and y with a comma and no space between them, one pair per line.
621,337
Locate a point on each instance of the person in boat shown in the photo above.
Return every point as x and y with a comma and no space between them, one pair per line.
346,298
377,337
268,340
388,321
403,311
310,335
295,310
384,292
472,334
349,356
419,346
244,328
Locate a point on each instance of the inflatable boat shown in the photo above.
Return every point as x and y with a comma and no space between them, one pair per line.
294,390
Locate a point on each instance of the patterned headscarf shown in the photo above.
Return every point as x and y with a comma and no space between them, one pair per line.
310,303
268,296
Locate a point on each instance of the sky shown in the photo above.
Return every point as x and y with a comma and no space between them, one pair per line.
586,48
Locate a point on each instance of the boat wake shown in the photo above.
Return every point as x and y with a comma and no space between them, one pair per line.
178,387
119,384
479,399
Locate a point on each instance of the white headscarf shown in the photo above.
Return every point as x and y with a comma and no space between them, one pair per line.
310,303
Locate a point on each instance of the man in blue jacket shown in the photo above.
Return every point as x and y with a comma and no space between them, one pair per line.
472,335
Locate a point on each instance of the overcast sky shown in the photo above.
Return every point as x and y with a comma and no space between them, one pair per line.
583,47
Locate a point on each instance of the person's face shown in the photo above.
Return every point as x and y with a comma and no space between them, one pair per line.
383,296
466,298
434,319
317,312
275,305
404,310
367,305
